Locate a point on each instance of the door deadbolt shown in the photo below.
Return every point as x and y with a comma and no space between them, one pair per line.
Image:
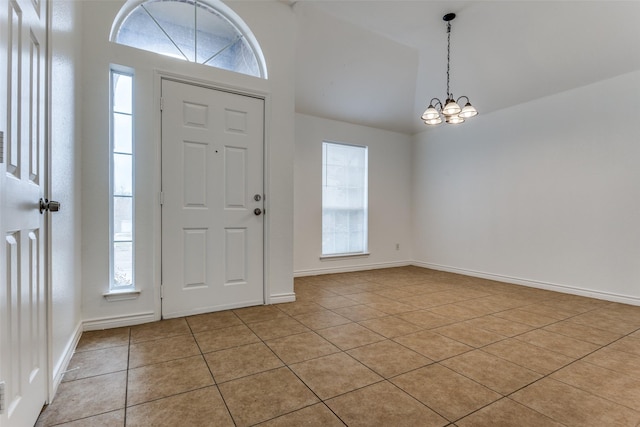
51,206
257,197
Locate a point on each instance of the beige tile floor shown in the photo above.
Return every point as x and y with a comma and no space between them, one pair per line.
395,347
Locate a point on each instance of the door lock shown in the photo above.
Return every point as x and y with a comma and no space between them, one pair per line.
51,206
257,197
257,211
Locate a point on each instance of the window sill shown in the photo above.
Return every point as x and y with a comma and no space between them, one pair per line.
343,256
121,295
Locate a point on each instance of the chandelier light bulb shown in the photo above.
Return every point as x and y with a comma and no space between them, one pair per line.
454,120
430,113
468,111
451,108
435,121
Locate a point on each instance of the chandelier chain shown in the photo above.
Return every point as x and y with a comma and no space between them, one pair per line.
448,56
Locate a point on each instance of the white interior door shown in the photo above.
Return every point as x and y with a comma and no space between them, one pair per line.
213,202
23,338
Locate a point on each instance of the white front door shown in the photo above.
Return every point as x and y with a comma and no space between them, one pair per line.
213,201
23,335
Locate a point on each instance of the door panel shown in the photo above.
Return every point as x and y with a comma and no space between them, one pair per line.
195,256
235,186
236,255
23,335
212,166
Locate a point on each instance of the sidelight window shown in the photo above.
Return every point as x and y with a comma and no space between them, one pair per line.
121,182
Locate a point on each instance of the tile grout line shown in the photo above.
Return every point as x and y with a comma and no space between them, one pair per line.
213,377
324,402
126,380
290,370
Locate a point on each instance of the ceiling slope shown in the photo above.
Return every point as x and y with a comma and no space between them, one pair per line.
379,62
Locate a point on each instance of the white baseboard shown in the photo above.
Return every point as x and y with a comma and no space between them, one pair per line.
61,365
350,268
118,321
573,290
282,298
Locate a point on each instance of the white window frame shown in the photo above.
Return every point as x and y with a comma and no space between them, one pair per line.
365,223
221,8
113,289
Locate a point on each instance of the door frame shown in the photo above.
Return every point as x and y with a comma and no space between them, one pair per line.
224,87
52,383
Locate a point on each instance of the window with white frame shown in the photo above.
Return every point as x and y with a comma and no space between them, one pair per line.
344,199
202,31
121,185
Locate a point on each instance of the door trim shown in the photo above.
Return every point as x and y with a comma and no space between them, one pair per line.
224,87
52,381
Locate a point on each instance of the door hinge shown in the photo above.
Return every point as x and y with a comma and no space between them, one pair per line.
161,198
161,291
1,147
161,103
2,397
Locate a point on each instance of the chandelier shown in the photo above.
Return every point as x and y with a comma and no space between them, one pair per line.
451,111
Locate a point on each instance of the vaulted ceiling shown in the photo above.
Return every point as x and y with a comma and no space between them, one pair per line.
379,62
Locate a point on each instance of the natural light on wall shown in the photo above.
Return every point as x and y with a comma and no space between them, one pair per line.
121,166
205,32
344,199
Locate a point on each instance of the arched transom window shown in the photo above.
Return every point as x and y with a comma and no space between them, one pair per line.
206,32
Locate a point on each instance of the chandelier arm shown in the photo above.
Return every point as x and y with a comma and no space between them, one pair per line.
465,97
437,103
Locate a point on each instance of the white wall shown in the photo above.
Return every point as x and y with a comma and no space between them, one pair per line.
546,193
65,265
389,195
274,27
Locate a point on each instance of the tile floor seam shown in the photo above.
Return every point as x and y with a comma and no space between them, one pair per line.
155,399
534,345
443,359
596,395
285,365
555,351
585,361
249,375
421,402
213,377
323,401
575,387
418,400
387,380
296,410
165,361
382,380
506,398
126,380
548,375
332,411
85,418
94,376
76,351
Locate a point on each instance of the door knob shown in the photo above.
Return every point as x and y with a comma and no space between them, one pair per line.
257,211
51,206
